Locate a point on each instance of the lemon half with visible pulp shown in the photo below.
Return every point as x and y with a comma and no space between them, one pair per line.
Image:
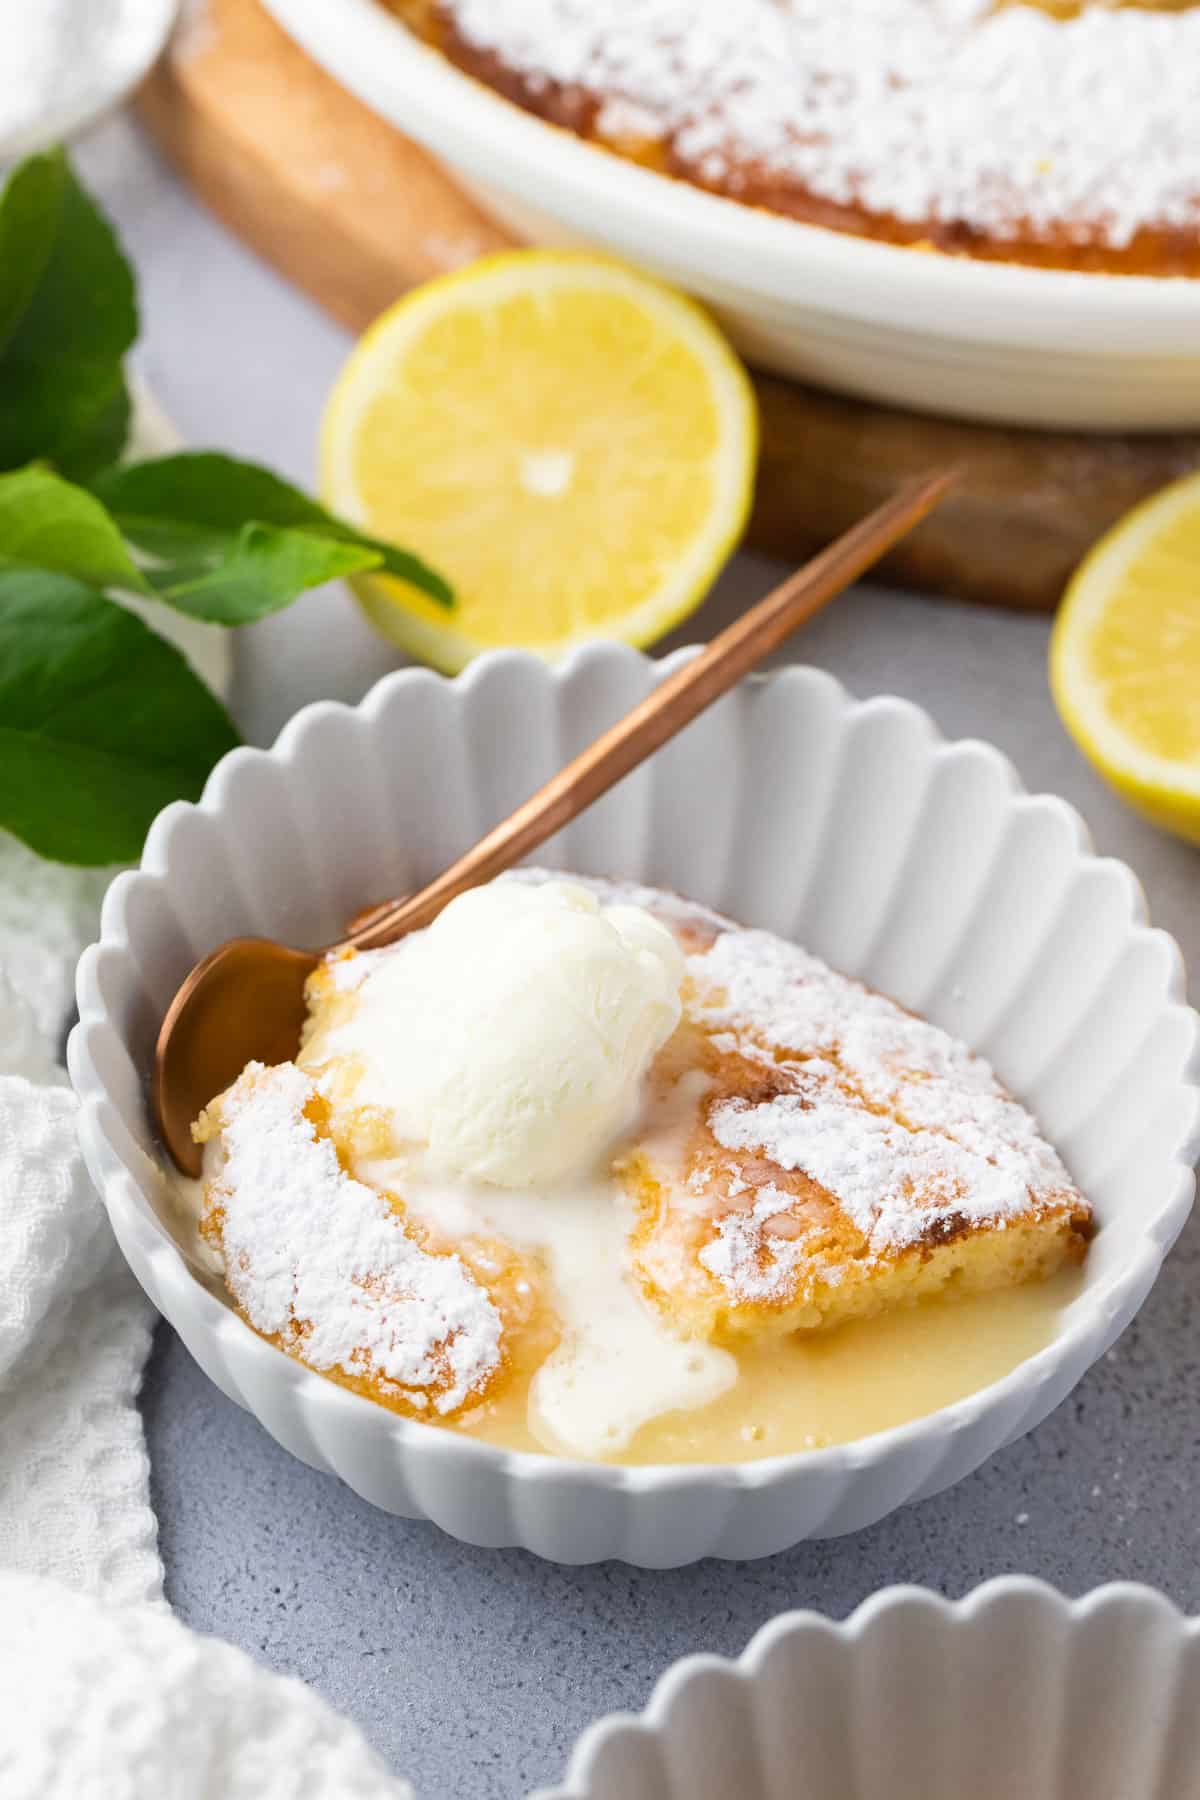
569,443
1125,657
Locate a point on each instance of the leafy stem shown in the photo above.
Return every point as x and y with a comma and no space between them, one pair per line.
101,721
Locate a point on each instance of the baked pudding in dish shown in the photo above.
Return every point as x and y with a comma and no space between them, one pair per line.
1061,134
589,1169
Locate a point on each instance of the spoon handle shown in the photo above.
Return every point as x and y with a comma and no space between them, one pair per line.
663,713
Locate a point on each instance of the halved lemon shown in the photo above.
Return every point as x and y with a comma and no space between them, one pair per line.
570,444
1125,657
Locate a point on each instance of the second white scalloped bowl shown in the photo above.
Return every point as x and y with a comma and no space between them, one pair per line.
918,865
1012,1694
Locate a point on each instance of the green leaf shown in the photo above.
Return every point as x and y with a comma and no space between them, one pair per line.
101,722
189,510
264,570
30,207
68,314
101,436
47,523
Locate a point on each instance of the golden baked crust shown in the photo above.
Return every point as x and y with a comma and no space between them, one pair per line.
734,1243
487,1276
1164,245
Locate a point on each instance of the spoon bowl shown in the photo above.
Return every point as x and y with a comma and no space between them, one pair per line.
243,1003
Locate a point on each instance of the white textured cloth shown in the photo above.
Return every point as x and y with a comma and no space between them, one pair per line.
74,1327
124,1703
103,1695
47,914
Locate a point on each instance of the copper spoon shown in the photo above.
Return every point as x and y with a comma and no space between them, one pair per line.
245,1001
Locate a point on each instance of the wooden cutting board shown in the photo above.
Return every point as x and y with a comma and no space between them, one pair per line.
352,212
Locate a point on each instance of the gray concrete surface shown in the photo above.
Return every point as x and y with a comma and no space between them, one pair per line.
474,1671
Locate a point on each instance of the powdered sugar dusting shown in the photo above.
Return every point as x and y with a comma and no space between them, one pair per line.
322,1261
910,1133
750,1259
999,118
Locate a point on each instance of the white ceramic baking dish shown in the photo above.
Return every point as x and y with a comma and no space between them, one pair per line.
916,864
1012,1692
944,334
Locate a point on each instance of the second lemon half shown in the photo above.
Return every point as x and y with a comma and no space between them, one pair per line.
571,444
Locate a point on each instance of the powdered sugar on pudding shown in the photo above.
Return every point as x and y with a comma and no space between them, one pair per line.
980,126
764,1150
914,1135
324,1264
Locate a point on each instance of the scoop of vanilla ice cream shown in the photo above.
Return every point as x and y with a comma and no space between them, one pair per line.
512,1035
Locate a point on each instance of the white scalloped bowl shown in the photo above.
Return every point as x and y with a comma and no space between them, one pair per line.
1014,1691
919,865
978,340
